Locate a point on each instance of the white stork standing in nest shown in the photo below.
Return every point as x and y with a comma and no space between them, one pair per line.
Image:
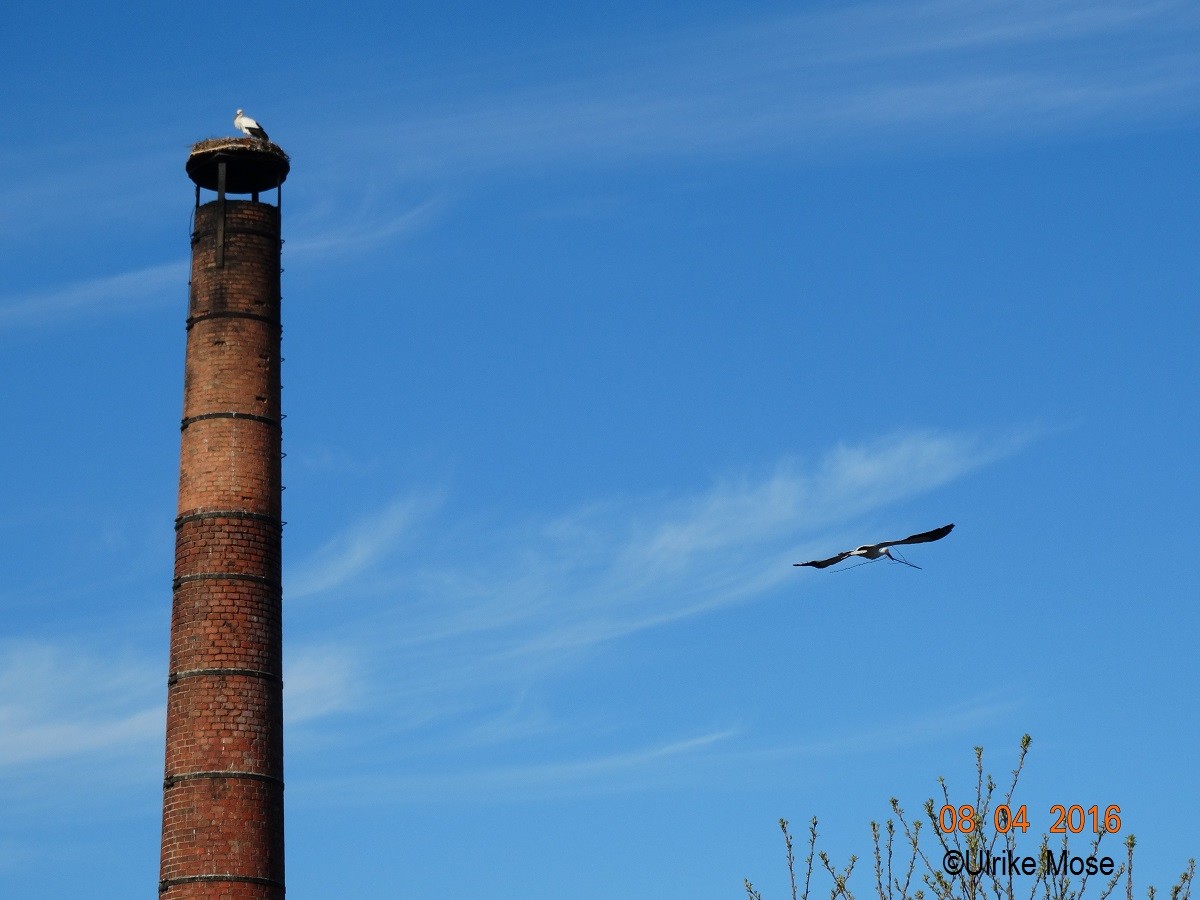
249,127
873,552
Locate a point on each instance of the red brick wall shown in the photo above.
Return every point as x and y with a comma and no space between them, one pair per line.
223,792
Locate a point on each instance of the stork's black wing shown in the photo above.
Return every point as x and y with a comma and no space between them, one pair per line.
822,563
924,537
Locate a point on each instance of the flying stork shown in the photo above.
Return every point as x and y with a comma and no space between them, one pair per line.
249,127
875,551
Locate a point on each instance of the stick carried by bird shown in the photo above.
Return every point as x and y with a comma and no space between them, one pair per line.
249,127
873,552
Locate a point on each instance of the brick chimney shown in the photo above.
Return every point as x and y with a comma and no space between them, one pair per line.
222,834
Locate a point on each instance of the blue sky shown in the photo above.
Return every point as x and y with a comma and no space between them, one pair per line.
595,321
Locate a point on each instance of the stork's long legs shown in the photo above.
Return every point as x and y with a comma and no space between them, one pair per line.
900,559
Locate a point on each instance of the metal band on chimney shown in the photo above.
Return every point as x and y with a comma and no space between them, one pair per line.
226,576
168,883
176,677
201,515
255,417
232,314
172,780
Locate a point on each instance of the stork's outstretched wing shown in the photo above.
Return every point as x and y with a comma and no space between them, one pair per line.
924,537
822,563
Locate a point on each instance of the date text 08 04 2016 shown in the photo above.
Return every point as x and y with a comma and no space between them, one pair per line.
1068,819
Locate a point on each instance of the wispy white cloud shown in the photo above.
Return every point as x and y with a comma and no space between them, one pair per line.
58,702
360,547
634,768
921,727
589,768
319,680
123,293
866,74
73,184
874,30
734,751
522,719
447,634
364,231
